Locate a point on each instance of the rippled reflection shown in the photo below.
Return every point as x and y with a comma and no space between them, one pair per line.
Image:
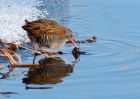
50,71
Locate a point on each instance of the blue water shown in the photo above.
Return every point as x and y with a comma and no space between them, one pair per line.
110,70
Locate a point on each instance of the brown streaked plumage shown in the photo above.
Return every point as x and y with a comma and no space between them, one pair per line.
47,33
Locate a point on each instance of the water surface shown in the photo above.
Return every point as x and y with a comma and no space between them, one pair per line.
110,70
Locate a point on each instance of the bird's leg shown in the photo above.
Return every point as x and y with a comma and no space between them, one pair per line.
33,45
34,59
49,52
35,53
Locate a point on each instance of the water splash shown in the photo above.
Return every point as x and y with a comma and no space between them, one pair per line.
13,14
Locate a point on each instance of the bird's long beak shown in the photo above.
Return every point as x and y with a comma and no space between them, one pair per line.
74,42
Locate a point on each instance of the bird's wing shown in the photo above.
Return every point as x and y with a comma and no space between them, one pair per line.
45,27
52,35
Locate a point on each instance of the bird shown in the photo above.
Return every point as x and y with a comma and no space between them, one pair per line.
48,33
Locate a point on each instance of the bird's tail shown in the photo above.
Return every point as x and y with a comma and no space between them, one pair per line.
25,26
26,21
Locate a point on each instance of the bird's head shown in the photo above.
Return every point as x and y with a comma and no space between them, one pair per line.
70,37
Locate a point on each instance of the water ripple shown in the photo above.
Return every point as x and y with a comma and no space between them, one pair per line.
111,52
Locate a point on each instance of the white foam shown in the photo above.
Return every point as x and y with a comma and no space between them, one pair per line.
12,16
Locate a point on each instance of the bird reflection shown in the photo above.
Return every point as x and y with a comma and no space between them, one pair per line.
51,70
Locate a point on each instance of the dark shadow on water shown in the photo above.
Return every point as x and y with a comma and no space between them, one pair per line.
6,93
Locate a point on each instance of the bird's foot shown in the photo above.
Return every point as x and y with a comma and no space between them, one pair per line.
49,52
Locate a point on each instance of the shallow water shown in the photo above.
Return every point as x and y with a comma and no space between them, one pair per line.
110,70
